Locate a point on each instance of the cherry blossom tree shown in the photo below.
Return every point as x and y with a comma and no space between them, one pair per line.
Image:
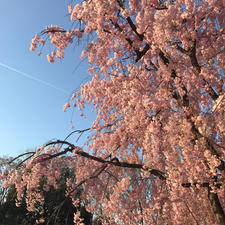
156,150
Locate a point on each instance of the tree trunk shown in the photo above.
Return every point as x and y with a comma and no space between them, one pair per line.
216,207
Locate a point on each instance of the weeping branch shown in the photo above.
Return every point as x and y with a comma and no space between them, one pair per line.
213,197
115,162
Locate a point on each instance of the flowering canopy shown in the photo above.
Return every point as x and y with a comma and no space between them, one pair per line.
156,155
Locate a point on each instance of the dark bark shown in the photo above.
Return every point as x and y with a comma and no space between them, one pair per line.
216,207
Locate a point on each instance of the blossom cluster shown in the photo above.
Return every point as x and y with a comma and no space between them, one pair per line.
157,83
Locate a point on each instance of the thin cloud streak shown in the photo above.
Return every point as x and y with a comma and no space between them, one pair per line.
33,78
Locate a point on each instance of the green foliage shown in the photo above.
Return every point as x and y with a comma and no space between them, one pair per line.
58,209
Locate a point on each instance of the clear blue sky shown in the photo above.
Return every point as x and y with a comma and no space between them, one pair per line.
31,112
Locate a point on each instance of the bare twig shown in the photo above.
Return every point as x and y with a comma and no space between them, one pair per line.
27,153
191,213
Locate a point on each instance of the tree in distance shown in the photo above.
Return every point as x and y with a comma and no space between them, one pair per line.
57,209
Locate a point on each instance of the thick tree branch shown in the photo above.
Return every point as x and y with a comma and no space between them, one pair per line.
139,53
115,162
191,52
197,184
216,207
183,101
134,28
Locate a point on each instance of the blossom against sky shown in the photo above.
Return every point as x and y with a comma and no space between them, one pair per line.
33,91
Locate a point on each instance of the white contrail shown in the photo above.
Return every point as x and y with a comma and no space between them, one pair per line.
33,78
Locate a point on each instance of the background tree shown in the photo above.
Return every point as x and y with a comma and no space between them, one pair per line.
57,209
156,153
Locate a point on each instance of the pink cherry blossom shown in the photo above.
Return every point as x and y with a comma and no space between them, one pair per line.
156,150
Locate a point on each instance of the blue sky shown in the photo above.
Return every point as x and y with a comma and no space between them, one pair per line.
31,108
